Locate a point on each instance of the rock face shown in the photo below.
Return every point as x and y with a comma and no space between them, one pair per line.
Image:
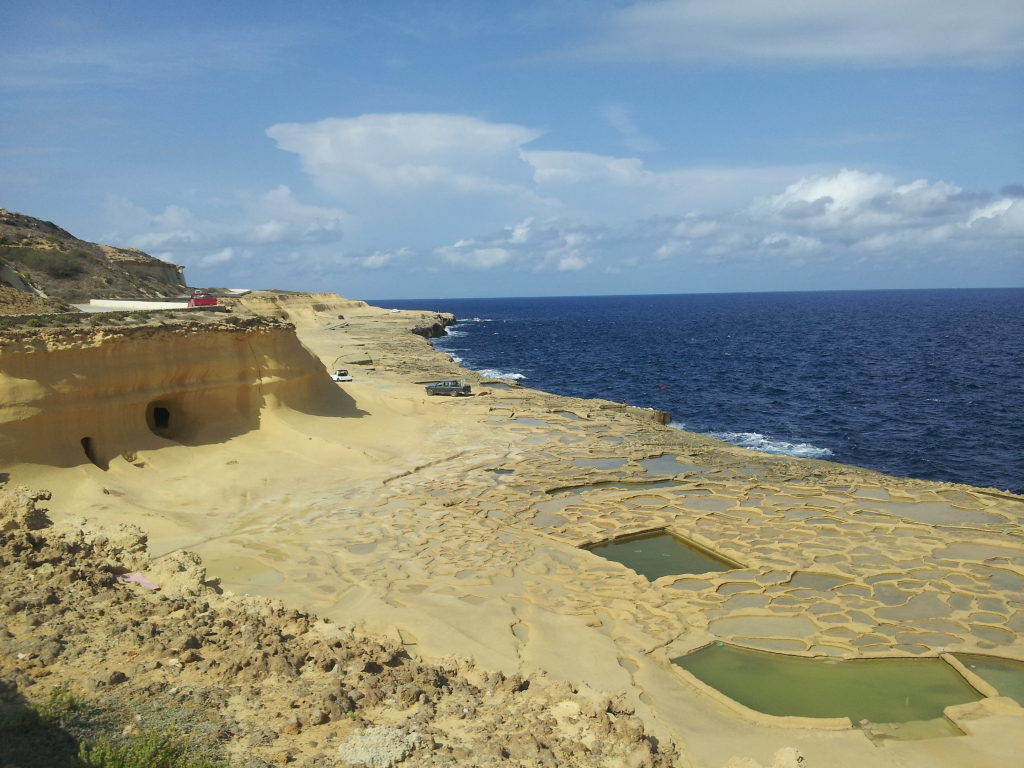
244,677
293,306
437,329
70,396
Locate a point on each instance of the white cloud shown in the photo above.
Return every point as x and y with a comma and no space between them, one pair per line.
220,257
400,153
880,32
381,259
413,183
267,231
848,217
850,214
435,175
555,245
572,263
855,199
465,255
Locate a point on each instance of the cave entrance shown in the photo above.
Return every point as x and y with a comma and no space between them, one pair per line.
164,418
161,417
90,452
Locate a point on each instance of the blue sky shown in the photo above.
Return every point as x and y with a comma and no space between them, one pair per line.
428,149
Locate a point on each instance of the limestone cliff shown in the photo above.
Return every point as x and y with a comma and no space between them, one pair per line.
68,396
293,305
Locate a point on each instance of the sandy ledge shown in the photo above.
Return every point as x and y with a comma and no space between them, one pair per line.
379,508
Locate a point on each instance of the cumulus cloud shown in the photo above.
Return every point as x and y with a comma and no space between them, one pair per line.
408,152
460,171
450,193
845,217
881,32
849,215
268,230
527,246
382,259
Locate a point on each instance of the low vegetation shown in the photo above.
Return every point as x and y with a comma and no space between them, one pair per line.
45,258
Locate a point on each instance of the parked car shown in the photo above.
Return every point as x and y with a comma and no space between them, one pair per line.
341,375
448,387
202,299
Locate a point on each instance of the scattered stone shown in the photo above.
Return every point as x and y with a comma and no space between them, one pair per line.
381,747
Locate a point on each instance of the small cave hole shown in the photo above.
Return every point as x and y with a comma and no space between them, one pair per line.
161,418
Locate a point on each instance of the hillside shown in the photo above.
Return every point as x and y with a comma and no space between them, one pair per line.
38,257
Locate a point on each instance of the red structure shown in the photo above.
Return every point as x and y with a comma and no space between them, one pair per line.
202,299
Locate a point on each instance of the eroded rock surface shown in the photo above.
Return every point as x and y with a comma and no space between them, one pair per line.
247,679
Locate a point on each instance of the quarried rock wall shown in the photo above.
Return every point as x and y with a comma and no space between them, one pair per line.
68,396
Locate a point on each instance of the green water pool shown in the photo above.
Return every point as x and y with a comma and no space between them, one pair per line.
1005,675
658,554
877,690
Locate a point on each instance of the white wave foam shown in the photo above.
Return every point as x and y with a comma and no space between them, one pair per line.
455,359
474,320
677,425
493,373
758,442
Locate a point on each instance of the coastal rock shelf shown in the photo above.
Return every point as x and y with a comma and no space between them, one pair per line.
456,526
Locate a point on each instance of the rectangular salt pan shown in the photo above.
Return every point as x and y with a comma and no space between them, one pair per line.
877,690
658,554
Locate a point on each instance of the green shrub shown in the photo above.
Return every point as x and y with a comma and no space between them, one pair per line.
63,704
154,749
34,322
56,264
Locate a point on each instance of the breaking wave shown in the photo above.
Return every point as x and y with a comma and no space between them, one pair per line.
492,373
758,442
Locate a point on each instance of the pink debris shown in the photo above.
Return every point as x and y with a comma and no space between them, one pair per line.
138,578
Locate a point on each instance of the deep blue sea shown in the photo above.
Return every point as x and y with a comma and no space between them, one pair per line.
927,384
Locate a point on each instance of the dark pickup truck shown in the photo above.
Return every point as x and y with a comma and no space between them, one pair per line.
448,387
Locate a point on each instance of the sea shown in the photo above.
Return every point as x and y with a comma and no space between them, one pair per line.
922,383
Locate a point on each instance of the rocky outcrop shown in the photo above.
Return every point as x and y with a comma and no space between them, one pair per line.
75,395
436,329
38,257
658,417
247,678
146,267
